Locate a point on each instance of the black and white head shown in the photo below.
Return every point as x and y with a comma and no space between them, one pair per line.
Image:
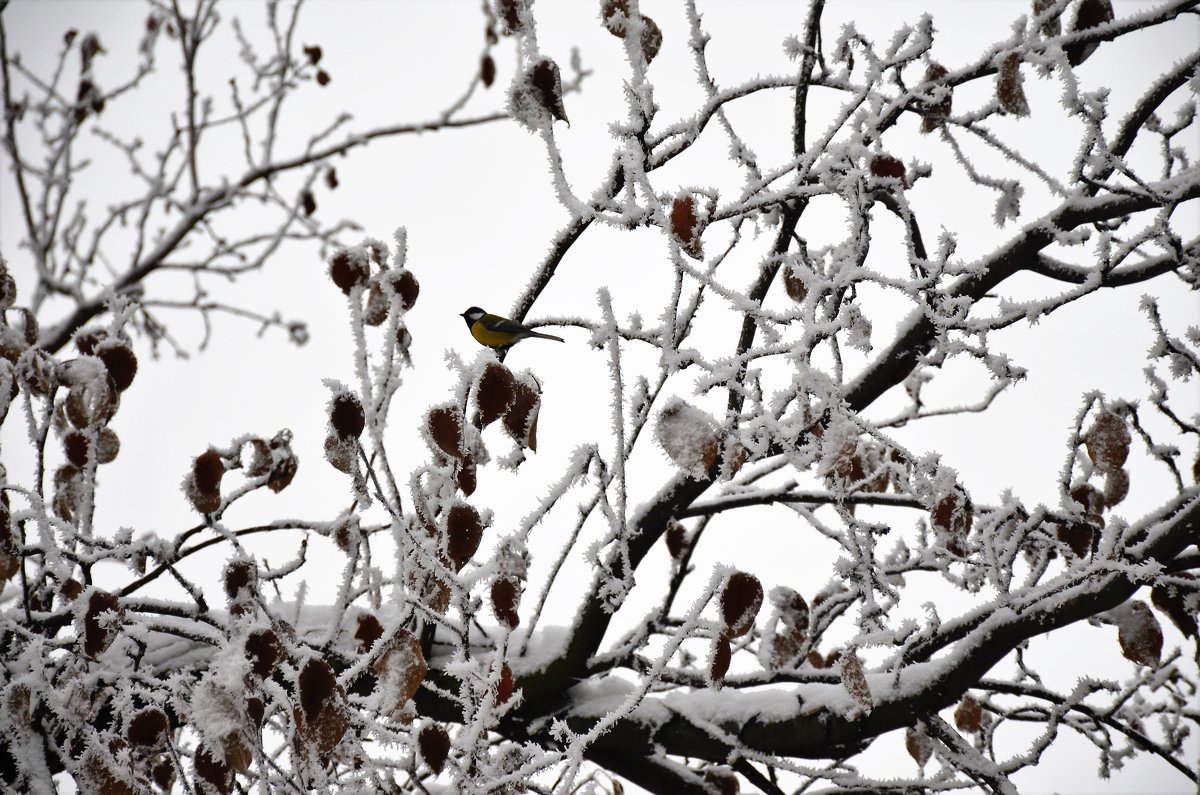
473,314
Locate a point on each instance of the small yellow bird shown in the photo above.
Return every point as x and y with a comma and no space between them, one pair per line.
499,332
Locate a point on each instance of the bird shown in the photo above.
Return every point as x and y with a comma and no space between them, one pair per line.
494,331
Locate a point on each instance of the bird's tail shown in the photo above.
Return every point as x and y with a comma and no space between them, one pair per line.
546,336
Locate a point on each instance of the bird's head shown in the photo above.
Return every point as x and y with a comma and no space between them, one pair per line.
472,314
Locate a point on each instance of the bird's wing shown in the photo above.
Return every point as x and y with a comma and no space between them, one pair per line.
503,325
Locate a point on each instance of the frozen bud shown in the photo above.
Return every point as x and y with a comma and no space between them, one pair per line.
323,79
740,601
331,178
308,202
547,84
1107,442
349,268
686,225
487,71
434,742
313,53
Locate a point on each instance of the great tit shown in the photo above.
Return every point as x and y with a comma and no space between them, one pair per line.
498,332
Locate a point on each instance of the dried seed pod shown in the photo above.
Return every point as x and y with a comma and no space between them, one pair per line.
331,178
506,593
213,770
919,745
1052,25
108,444
68,491
203,486
934,114
317,686
1107,442
741,599
93,403
495,392
341,453
1091,500
240,580
77,448
349,268
120,360
883,165
264,651
434,742
255,457
1139,634
308,202
687,226
1078,536
407,287
854,680
952,518
968,715
369,630
1088,14
504,688
8,289
614,14
689,437
1116,487
464,476
652,39
718,661
487,71
547,84
98,631
284,462
346,415
794,284
377,305
147,727
444,427
520,421
1009,91
510,16
464,531
676,538
1180,602
721,780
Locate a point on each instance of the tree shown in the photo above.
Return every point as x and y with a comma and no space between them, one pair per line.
810,330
